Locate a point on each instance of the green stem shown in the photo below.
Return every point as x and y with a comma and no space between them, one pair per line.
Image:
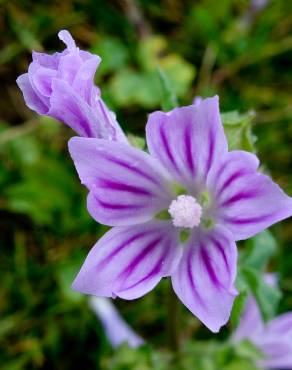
173,322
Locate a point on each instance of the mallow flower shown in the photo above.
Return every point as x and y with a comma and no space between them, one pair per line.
176,212
62,86
273,339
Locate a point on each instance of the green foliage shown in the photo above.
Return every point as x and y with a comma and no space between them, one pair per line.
141,86
251,280
202,48
238,130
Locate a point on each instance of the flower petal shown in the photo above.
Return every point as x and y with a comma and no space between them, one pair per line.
281,325
251,323
277,351
129,261
126,185
68,107
83,81
32,100
43,80
116,328
204,279
187,140
248,202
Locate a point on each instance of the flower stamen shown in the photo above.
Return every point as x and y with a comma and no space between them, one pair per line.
185,211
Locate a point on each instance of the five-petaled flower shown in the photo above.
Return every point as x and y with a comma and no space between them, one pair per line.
176,212
62,86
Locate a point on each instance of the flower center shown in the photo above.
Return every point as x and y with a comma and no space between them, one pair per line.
185,211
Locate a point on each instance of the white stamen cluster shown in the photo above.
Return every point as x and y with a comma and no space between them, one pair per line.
185,211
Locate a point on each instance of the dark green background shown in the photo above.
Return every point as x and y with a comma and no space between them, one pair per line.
206,47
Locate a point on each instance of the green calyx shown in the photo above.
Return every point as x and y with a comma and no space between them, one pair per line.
208,223
205,199
184,235
178,189
163,215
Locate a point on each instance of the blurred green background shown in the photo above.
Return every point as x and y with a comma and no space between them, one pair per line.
239,49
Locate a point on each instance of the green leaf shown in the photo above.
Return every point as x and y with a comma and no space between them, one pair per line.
259,250
245,349
169,100
240,300
137,141
237,128
267,297
129,87
113,53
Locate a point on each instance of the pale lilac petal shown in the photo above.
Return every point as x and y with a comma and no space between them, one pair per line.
69,66
204,279
230,168
43,80
250,202
116,329
68,40
247,201
46,60
197,100
68,107
281,325
277,351
31,98
110,122
83,81
126,185
251,323
129,261
187,140
32,70
273,339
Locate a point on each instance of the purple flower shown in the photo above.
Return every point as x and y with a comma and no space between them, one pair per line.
61,86
176,211
273,339
116,329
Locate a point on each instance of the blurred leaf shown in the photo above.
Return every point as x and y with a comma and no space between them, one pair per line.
113,53
169,100
137,141
240,300
237,128
180,73
267,297
129,88
150,51
258,250
245,349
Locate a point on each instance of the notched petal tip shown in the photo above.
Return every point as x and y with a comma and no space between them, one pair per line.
68,40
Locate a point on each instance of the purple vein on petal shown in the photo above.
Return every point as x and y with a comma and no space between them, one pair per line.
244,195
133,169
191,280
75,110
113,185
188,151
141,255
118,249
167,149
156,269
236,175
250,220
219,247
211,146
208,264
118,206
